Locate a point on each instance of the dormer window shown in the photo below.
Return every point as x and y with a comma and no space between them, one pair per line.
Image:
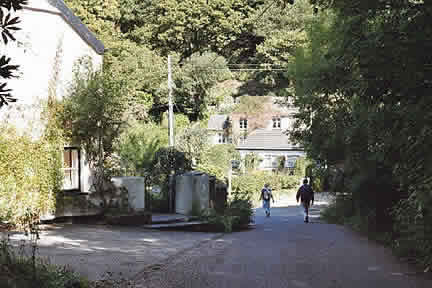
276,122
243,124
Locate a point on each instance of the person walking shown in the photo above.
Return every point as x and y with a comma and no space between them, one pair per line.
306,196
266,195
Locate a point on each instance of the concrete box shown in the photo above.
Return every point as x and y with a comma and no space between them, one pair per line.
192,193
135,188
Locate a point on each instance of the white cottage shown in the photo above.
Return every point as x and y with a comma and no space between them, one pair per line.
263,134
51,41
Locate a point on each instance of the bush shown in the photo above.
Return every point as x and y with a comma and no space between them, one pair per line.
30,176
300,167
248,186
413,239
339,210
18,270
237,215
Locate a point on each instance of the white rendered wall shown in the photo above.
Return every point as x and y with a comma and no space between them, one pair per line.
44,35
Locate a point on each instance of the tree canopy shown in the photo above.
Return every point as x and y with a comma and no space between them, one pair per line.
362,86
198,34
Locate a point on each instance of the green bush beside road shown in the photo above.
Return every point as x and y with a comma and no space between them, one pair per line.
250,185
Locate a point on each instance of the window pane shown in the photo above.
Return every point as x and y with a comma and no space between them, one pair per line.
67,182
71,180
71,169
67,159
74,158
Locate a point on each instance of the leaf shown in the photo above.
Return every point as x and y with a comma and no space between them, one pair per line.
14,21
5,40
9,35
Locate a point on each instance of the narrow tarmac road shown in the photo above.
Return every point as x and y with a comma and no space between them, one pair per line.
282,251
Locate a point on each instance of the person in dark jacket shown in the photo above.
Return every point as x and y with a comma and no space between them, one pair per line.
306,196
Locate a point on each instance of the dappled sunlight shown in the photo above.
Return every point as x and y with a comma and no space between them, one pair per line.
93,250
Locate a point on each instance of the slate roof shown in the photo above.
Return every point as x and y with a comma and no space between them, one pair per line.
216,122
75,22
262,139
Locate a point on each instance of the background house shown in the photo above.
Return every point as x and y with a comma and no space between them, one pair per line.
218,129
48,47
261,132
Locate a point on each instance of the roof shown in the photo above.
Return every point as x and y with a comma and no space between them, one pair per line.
262,139
62,9
217,122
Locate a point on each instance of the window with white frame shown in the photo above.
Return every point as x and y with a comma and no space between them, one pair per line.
243,124
276,122
271,161
242,139
71,169
221,138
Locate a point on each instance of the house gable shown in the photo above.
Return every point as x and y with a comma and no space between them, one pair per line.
60,8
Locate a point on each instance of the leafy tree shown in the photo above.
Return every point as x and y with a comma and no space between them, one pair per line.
8,24
137,47
168,161
94,112
187,27
141,68
193,141
363,93
138,144
216,160
194,81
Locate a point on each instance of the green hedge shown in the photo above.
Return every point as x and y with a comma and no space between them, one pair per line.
250,185
30,176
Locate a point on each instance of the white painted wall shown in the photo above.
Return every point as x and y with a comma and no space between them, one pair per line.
287,122
44,34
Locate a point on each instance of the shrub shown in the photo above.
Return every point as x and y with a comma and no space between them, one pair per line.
237,215
248,186
251,161
18,270
339,210
30,176
241,211
413,239
300,167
